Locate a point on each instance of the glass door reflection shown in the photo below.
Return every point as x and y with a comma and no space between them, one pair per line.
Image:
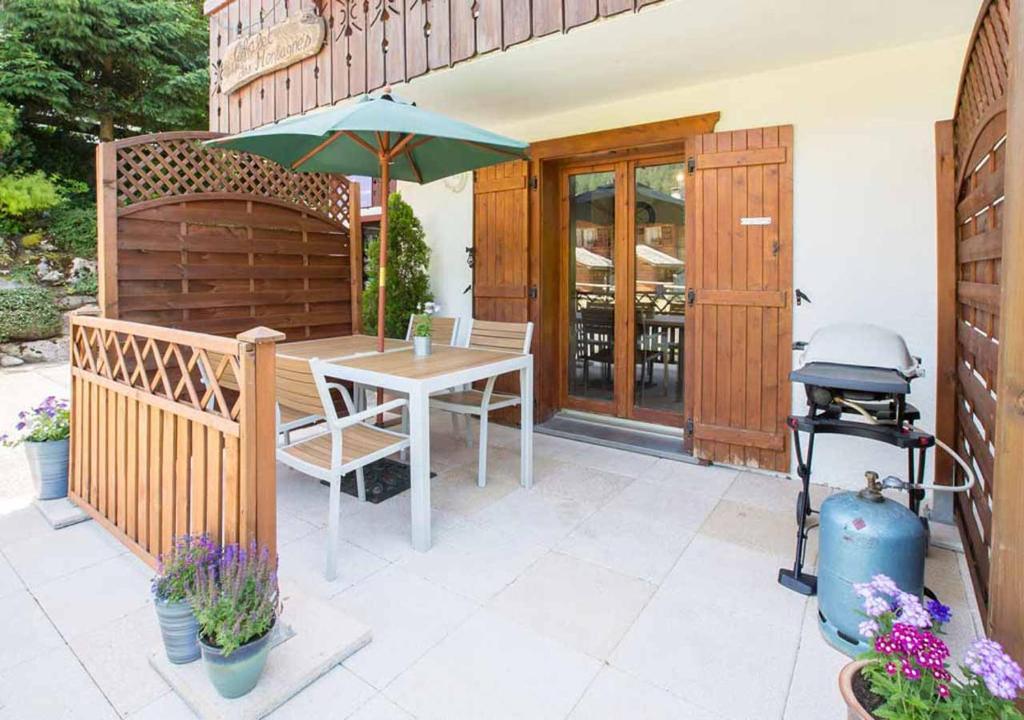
591,238
659,242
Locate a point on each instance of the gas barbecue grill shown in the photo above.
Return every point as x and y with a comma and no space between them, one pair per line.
857,378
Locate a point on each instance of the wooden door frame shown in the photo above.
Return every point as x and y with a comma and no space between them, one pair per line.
623,404
545,257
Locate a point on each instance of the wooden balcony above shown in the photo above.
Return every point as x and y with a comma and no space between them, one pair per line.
371,43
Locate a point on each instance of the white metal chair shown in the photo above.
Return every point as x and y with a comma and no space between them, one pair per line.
444,327
340,445
467,401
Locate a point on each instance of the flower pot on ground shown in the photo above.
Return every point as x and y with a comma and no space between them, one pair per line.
237,604
906,674
856,693
177,573
44,431
237,673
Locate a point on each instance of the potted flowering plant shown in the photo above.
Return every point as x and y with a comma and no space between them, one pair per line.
44,431
423,328
176,574
906,675
237,603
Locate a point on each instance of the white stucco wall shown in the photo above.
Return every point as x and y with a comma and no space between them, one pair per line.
864,197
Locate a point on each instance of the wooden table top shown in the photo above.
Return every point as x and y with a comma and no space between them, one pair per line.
337,347
442,361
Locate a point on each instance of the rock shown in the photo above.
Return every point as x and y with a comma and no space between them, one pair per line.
10,361
48,275
54,350
81,268
73,302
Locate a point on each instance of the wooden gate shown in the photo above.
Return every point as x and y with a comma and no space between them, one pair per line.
160,446
740,278
213,241
979,152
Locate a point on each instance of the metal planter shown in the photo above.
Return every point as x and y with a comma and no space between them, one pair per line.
179,629
48,465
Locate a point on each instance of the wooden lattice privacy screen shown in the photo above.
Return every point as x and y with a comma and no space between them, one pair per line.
212,241
173,433
979,149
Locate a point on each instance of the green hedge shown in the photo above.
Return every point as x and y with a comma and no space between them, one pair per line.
28,313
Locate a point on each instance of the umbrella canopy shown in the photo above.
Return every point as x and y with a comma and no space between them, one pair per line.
422,146
381,137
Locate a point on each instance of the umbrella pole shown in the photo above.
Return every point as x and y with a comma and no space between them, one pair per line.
385,180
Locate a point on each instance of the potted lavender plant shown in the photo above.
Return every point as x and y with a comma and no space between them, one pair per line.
44,431
906,675
237,603
176,574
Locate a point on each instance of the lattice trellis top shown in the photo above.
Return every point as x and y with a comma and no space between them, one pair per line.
175,164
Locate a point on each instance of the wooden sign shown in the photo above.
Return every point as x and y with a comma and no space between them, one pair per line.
271,49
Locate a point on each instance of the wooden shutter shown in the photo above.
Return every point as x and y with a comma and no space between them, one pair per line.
740,272
500,268
500,257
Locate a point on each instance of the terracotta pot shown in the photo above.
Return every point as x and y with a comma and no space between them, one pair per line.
855,711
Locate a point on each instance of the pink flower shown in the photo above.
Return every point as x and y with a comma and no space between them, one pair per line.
943,691
890,668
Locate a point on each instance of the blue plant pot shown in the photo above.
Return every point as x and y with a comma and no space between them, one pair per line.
179,629
237,674
48,465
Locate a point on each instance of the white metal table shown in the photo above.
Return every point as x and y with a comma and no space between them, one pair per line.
400,370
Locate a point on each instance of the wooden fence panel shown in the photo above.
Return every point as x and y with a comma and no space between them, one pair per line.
211,241
165,428
979,152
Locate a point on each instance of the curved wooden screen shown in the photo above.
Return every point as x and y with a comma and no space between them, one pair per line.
218,242
979,132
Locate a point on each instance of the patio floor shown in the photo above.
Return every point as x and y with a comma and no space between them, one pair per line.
620,586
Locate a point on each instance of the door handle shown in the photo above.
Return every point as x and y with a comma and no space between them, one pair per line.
801,297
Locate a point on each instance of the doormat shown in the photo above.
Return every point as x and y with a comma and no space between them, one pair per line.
384,479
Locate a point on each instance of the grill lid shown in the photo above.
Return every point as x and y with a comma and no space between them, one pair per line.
863,345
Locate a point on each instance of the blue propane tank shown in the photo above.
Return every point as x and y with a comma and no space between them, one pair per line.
864,534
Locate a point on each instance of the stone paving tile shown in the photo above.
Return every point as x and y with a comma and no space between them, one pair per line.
380,708
585,606
474,561
10,583
26,632
614,695
116,655
53,685
408,614
56,553
334,696
812,693
542,518
96,595
491,667
167,707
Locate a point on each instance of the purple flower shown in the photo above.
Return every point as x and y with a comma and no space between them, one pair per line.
1002,676
941,614
868,628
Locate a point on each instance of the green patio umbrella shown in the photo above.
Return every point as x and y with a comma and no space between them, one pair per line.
381,137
